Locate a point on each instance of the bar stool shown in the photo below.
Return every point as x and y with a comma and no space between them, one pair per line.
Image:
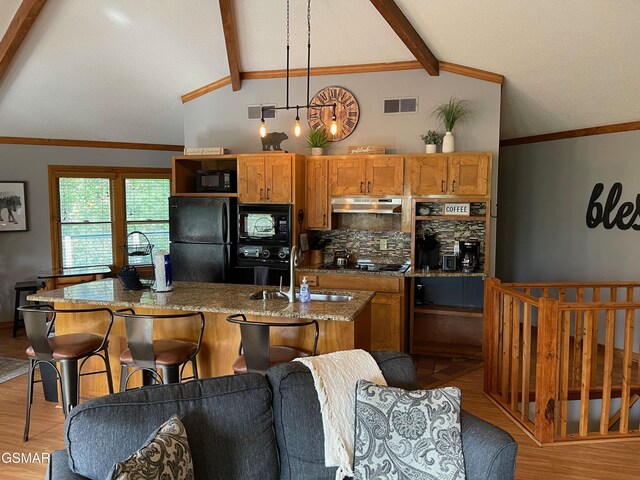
66,350
21,287
259,354
145,354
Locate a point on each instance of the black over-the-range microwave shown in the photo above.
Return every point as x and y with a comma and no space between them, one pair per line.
216,181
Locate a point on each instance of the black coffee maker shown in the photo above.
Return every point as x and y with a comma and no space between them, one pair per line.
469,255
427,251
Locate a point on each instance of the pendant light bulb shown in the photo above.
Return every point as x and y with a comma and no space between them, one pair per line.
297,129
334,126
263,128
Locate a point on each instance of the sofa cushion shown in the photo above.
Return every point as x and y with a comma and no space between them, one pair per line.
297,418
407,434
229,424
166,454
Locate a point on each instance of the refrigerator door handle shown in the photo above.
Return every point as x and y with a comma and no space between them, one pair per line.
225,223
226,263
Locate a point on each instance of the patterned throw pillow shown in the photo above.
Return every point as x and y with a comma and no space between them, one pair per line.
164,456
404,434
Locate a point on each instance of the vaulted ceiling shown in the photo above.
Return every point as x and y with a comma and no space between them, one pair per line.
115,69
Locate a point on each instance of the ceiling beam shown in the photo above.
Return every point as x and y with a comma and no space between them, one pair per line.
17,31
227,12
409,36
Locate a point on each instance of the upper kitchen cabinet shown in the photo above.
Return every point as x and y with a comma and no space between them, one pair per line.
449,174
318,213
265,178
366,175
185,177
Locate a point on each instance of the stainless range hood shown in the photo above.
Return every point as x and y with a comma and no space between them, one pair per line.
366,205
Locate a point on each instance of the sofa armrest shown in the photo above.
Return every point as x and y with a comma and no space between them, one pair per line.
59,467
489,452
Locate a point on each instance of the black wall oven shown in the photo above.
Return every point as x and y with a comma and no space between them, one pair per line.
264,235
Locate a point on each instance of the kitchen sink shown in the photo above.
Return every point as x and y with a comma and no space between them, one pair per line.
318,297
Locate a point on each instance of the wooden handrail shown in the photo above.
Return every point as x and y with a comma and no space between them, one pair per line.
564,353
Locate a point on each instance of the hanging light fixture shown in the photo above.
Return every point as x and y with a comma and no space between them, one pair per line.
297,130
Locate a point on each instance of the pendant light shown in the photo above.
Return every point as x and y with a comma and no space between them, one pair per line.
297,129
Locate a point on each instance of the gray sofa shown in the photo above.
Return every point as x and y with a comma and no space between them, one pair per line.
246,427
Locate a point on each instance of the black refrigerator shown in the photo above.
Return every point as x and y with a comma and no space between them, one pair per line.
203,233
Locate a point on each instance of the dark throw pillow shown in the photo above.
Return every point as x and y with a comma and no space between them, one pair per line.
164,456
403,434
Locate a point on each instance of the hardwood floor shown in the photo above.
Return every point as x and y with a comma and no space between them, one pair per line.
620,460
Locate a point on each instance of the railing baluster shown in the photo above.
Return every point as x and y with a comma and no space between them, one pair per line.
594,339
586,373
515,354
577,341
526,358
610,325
564,370
627,359
506,345
497,321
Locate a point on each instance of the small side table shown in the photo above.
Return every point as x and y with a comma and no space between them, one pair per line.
21,287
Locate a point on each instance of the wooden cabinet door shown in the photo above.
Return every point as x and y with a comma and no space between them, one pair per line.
386,322
278,179
384,176
428,175
317,201
347,176
468,174
251,187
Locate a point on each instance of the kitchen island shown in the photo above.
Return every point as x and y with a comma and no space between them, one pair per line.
343,325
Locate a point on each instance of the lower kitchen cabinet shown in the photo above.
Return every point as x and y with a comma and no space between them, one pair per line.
388,307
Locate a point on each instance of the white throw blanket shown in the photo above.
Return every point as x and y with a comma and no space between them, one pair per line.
335,376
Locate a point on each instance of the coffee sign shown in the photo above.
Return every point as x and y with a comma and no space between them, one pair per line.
462,209
625,217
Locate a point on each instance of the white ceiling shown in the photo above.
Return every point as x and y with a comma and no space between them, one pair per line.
115,69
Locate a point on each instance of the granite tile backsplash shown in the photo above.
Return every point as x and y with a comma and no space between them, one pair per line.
365,245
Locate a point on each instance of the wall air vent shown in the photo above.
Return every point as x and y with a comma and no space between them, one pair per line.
400,105
253,111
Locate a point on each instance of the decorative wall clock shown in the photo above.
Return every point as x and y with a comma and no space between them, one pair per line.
347,112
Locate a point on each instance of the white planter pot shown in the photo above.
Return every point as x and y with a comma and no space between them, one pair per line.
317,151
448,144
431,147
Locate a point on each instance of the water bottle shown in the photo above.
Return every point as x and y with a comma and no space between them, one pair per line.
305,296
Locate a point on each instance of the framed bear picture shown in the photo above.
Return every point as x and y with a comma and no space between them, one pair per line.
13,207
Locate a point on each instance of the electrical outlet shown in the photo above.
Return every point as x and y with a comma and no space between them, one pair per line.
383,244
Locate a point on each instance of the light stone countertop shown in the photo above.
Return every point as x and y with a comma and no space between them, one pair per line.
208,297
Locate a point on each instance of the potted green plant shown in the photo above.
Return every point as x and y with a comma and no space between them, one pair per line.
317,140
431,139
449,114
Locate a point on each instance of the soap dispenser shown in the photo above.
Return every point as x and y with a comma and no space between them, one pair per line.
305,296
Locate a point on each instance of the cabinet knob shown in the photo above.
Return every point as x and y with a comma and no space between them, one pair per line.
442,186
361,185
324,219
453,186
368,187
267,194
261,194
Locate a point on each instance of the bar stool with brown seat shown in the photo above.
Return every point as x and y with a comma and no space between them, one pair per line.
145,354
256,352
65,350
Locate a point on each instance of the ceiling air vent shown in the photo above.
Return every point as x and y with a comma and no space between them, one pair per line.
401,105
253,112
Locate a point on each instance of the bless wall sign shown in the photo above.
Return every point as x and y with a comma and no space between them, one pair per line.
627,215
463,209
